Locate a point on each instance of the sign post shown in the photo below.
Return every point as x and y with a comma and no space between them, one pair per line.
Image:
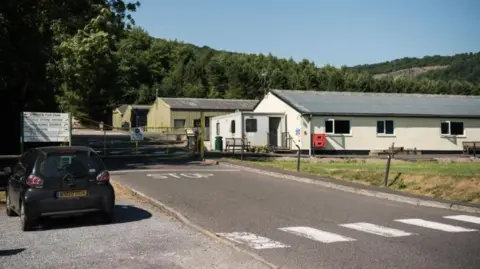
136,134
45,127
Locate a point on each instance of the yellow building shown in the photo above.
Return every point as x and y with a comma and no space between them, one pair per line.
185,112
128,116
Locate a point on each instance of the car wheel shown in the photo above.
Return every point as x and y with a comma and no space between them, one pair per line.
25,221
8,209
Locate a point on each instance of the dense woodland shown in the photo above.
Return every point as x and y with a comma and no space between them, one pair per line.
87,57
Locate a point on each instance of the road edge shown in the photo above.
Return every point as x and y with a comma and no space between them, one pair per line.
371,193
172,212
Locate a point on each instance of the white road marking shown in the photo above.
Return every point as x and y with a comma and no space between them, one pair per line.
253,240
171,170
435,225
376,229
317,235
175,175
465,218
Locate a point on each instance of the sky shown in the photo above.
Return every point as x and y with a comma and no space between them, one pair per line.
336,32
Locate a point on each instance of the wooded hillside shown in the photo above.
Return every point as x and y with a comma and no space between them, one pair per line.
461,67
86,57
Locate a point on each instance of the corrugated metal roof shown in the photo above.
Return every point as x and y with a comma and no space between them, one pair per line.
122,108
363,103
140,106
210,104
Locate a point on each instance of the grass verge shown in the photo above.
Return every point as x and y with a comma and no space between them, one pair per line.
451,180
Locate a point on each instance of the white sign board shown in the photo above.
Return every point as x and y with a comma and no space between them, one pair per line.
46,127
136,134
179,175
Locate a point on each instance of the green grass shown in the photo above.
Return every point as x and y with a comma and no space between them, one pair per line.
457,181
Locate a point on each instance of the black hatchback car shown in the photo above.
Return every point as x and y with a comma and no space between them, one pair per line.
58,181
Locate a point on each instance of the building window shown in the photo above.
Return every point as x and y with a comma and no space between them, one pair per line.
385,127
196,123
232,126
452,128
251,125
337,126
218,128
178,123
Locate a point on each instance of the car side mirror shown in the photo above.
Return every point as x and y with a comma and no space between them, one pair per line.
7,170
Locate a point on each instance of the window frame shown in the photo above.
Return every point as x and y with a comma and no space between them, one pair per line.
254,130
449,122
385,128
184,123
333,127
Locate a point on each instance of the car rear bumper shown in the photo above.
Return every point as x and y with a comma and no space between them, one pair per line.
39,202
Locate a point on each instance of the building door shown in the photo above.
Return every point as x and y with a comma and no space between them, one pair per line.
273,128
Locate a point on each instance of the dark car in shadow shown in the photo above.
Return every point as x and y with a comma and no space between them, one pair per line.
58,181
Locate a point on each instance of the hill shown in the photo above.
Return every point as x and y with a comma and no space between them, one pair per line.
88,58
460,67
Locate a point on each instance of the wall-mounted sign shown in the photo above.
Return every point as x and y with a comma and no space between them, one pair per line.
297,131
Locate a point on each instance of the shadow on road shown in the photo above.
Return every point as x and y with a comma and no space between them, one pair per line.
10,252
123,214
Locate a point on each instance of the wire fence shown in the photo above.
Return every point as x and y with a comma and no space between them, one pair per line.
110,141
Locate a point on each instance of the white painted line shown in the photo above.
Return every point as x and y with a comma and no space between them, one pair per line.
435,225
376,229
465,218
172,170
253,240
317,235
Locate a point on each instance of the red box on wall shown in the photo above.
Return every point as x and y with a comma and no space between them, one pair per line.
319,140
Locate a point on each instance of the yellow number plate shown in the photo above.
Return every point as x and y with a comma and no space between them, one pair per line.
68,194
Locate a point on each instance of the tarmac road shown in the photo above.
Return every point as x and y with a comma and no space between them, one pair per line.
300,225
141,238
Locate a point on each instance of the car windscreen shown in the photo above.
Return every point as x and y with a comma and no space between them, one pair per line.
69,163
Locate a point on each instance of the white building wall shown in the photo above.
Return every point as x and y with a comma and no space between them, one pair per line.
420,133
272,104
258,138
224,122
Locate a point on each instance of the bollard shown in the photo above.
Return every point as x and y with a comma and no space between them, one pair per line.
387,170
298,158
474,150
243,147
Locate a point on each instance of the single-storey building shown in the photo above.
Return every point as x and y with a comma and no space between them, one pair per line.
259,129
130,116
361,122
117,115
167,113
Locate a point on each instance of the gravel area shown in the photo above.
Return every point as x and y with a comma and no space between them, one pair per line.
141,237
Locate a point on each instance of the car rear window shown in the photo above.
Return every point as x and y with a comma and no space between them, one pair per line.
77,163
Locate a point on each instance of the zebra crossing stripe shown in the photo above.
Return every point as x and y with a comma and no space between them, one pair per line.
435,225
252,240
376,229
465,218
317,235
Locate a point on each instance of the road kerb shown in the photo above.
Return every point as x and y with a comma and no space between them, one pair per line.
172,212
372,193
